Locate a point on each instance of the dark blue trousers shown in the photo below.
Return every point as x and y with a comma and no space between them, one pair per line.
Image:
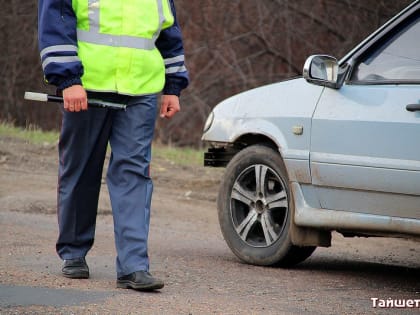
82,147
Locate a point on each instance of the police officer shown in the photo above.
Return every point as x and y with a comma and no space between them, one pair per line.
122,51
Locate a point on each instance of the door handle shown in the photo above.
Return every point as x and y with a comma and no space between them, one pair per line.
413,107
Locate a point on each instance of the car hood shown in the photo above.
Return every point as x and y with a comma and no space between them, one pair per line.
266,105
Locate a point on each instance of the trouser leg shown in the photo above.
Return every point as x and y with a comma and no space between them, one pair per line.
129,183
82,148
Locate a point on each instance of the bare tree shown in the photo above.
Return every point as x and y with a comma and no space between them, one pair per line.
231,46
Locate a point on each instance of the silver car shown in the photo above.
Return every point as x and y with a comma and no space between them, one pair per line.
336,150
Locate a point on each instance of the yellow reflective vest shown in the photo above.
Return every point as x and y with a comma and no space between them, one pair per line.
116,44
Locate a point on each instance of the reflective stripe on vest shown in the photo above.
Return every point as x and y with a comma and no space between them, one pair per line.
116,41
93,35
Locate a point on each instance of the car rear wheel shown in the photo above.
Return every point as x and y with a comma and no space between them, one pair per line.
255,209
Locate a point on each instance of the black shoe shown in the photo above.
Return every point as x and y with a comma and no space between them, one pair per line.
139,280
75,268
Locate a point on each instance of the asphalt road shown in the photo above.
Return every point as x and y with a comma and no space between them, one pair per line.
187,251
201,274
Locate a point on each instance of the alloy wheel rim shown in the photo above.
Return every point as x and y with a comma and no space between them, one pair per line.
259,205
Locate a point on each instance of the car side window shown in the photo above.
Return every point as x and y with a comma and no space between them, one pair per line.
396,61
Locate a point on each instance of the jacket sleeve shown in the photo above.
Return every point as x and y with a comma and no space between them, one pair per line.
57,39
171,47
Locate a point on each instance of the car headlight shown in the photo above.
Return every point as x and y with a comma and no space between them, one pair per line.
209,122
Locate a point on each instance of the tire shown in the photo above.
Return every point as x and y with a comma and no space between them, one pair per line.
255,219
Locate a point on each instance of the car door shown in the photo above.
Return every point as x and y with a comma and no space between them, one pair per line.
365,144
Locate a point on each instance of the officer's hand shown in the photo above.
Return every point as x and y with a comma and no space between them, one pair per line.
75,98
169,106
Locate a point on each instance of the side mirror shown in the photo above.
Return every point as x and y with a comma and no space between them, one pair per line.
323,70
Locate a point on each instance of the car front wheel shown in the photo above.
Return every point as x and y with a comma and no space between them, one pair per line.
254,208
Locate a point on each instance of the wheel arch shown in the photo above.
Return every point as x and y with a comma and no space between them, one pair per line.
220,154
249,139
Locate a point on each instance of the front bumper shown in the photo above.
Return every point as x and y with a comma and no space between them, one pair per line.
219,157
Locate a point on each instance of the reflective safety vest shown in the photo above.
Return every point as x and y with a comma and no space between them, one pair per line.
116,44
